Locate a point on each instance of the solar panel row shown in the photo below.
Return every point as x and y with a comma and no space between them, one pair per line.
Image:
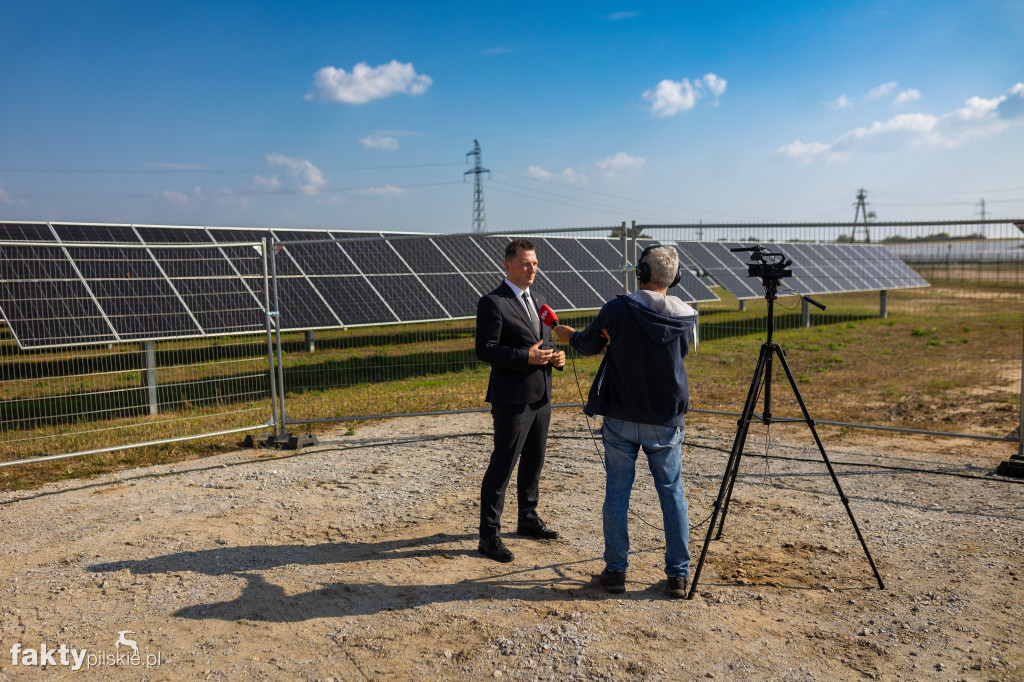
129,287
817,268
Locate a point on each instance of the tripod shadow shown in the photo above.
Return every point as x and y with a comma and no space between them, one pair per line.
262,600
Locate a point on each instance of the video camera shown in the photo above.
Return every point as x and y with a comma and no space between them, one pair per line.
767,264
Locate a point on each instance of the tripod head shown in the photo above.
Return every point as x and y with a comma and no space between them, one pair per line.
770,266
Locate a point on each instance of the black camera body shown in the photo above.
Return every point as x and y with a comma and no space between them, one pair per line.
767,264
770,270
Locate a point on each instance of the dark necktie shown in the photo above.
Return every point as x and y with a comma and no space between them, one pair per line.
532,313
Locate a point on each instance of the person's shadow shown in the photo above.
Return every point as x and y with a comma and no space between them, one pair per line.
261,600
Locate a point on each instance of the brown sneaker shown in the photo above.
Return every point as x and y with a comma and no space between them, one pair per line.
677,586
613,581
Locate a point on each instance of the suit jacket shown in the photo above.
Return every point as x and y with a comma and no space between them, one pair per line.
504,335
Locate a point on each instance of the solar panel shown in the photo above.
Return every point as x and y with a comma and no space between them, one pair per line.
467,254
550,293
69,294
422,256
30,232
374,256
354,301
817,268
221,302
455,293
485,283
44,301
96,233
302,306
722,265
410,300
136,297
175,235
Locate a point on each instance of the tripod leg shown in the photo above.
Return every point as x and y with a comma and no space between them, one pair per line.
828,464
732,467
763,370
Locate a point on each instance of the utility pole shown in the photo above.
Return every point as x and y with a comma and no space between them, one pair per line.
861,208
479,215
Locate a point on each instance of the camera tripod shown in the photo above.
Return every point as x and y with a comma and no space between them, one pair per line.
770,274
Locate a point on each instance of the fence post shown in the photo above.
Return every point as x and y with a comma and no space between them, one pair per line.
150,375
284,439
633,260
1015,465
310,341
270,341
280,355
625,261
883,304
805,313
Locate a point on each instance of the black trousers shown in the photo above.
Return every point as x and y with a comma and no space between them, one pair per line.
520,435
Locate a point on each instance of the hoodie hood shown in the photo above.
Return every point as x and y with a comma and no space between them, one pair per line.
661,327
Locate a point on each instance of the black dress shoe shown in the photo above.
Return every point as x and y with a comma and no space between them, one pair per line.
494,548
536,529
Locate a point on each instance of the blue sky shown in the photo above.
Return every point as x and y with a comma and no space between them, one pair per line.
359,116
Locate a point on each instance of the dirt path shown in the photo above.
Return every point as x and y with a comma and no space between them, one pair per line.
356,560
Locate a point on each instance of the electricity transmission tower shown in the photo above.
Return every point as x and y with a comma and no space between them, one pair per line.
479,215
861,208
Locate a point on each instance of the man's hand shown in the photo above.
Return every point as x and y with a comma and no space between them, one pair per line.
563,332
539,356
558,359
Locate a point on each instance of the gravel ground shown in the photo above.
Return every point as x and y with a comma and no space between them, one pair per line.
356,560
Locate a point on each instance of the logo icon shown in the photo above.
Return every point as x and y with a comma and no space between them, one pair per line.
130,643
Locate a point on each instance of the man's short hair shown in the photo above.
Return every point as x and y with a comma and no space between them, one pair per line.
513,247
664,264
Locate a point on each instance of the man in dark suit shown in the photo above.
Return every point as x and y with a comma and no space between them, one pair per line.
510,337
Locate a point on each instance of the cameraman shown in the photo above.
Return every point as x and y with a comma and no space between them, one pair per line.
642,391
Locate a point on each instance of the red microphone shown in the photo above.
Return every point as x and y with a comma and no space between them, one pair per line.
547,315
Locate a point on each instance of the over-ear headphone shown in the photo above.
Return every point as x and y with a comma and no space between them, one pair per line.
643,270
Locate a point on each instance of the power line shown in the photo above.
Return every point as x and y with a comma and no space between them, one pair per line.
165,171
618,196
246,193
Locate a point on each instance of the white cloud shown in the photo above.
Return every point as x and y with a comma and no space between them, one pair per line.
669,97
307,176
198,198
261,184
386,191
906,96
619,16
618,167
385,142
978,118
569,175
882,90
5,198
367,83
841,102
714,84
182,200
621,166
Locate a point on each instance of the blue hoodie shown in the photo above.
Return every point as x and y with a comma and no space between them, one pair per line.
642,377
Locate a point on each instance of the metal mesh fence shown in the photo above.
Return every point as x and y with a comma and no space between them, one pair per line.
941,355
185,349
109,345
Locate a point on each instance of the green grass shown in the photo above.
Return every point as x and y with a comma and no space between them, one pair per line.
942,349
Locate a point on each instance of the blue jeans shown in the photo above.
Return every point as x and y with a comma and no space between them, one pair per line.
663,447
